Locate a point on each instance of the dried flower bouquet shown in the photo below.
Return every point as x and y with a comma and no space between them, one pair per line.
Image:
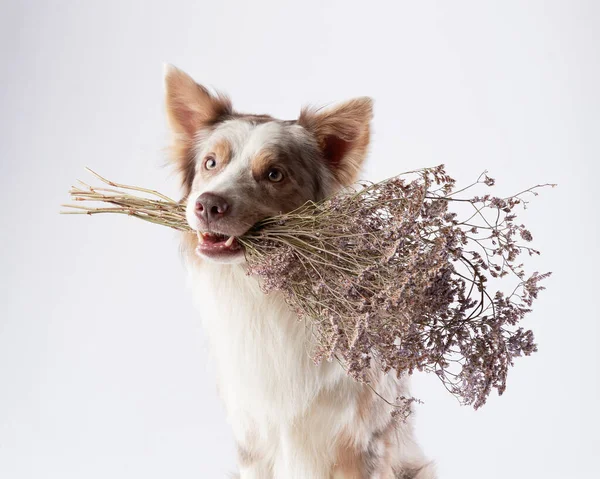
386,272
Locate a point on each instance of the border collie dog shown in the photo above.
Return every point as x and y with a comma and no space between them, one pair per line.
291,418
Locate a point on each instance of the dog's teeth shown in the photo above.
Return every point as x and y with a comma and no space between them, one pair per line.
200,237
229,242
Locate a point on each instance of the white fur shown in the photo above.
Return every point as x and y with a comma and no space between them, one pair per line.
262,360
273,392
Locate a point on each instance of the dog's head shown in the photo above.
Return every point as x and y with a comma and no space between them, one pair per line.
237,169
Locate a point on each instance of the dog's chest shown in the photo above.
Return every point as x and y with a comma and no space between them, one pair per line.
262,350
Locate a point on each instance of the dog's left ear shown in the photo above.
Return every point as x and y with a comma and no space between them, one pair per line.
342,133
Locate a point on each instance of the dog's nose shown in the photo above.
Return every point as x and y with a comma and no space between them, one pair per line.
211,207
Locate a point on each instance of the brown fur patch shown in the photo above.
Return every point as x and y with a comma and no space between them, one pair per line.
261,163
364,408
221,150
349,461
375,460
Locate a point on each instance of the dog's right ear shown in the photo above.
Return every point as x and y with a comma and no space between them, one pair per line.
342,133
191,107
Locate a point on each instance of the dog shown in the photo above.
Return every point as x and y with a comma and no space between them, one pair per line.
291,418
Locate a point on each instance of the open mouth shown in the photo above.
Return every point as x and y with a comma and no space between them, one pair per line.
217,244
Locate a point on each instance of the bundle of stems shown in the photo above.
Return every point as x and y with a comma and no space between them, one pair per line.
384,273
153,206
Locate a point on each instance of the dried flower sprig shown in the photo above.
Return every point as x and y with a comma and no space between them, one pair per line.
385,272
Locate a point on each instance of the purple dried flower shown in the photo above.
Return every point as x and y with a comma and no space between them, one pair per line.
488,181
389,276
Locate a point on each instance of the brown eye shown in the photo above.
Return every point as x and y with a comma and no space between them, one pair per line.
210,162
275,175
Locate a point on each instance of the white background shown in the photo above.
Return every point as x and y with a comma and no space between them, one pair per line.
104,370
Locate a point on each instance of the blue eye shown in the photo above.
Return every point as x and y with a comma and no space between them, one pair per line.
210,162
275,175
